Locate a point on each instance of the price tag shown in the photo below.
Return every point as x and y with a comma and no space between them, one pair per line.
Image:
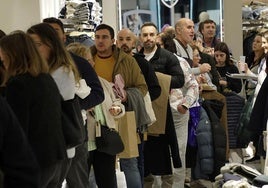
98,129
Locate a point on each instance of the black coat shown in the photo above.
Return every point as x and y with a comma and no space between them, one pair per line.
233,84
157,148
17,161
36,102
86,71
167,63
149,75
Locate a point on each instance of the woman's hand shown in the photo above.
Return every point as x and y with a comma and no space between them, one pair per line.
223,81
115,110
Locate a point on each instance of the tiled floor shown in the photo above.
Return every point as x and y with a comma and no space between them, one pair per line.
121,182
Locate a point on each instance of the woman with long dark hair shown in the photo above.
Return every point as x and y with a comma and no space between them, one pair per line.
225,66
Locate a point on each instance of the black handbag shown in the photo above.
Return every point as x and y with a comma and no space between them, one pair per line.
72,123
109,141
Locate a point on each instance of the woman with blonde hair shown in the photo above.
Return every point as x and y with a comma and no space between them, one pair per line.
106,112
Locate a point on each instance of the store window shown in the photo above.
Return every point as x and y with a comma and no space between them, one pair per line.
134,13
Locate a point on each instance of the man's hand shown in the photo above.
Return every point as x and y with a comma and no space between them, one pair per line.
182,109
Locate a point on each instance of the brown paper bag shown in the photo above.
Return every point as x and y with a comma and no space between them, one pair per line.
160,105
127,130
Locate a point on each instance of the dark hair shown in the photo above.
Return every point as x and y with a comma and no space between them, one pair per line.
53,20
201,25
170,31
22,55
105,26
2,34
168,42
59,56
222,46
149,24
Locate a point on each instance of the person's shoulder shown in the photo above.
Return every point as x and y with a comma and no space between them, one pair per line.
78,59
140,58
124,56
167,54
139,55
81,63
20,79
165,51
232,68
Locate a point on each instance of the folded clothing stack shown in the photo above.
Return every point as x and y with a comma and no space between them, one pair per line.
239,175
87,13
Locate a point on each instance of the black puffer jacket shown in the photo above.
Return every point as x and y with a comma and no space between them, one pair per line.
167,63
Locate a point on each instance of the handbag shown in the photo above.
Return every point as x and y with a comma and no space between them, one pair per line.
72,123
107,139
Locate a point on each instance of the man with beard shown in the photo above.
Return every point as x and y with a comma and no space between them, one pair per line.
126,41
157,149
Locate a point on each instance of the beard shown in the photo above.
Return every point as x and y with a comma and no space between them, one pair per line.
126,49
149,46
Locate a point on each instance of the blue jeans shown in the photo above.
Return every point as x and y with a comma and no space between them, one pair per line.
132,174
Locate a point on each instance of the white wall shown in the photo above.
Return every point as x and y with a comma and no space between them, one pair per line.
18,14
110,13
233,34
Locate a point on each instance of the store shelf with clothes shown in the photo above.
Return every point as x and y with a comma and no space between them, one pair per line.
80,17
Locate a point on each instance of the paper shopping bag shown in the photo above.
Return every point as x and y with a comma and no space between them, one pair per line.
160,105
127,130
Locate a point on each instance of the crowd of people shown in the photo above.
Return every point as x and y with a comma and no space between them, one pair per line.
176,69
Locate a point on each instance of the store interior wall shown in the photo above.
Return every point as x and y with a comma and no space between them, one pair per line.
110,13
18,14
232,25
